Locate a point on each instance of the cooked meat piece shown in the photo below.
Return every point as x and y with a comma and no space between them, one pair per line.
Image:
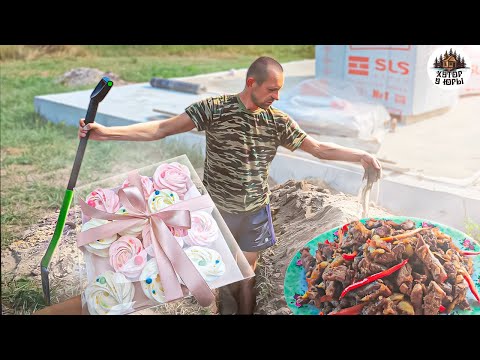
370,224
430,240
383,290
464,304
407,225
459,291
382,231
447,287
338,273
327,252
430,261
356,261
399,250
392,224
378,307
416,298
356,235
404,275
331,289
387,258
421,278
347,302
370,291
365,290
433,299
308,261
367,268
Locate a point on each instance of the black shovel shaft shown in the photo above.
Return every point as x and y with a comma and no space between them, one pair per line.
89,118
91,112
96,97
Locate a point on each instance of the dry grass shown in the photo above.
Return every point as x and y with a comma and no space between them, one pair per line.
31,52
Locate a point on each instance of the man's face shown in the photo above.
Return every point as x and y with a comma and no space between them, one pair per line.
263,95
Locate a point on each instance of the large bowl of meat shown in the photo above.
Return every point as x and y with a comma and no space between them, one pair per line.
386,266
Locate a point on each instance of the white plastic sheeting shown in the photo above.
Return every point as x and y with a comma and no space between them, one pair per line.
333,107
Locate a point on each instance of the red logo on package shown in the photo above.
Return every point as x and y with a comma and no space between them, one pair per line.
358,65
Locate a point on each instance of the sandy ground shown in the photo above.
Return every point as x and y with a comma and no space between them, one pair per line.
301,210
445,146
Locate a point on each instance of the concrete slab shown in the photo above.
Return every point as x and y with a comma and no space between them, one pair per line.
123,105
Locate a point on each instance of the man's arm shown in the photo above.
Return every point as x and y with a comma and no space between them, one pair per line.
148,131
331,151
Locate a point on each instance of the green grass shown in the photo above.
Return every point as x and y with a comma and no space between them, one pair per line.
37,155
472,229
21,297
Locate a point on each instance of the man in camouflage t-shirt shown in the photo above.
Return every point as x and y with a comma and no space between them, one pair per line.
243,132
241,145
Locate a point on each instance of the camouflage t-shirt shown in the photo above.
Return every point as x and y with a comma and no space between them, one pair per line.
240,146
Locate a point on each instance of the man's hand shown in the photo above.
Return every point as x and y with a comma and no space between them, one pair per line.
370,163
331,151
97,131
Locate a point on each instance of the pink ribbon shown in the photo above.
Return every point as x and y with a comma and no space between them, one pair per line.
168,253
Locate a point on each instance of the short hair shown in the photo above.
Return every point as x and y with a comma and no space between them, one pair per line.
259,68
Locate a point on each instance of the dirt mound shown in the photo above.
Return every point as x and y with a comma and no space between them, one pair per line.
88,76
301,210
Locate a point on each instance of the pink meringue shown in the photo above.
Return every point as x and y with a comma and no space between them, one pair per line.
173,176
204,229
104,199
127,256
147,185
147,240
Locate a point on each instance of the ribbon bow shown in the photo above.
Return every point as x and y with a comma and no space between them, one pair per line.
169,255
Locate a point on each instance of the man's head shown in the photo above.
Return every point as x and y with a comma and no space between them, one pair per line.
264,81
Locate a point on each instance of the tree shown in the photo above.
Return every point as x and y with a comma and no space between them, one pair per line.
451,52
440,61
435,63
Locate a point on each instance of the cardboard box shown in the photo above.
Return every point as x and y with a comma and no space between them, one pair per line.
394,75
150,237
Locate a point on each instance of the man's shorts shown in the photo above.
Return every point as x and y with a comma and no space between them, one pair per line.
253,231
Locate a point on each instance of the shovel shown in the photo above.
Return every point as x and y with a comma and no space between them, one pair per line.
98,94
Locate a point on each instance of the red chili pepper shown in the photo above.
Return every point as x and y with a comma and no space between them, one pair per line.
469,252
442,308
350,257
327,242
372,278
345,228
353,310
471,285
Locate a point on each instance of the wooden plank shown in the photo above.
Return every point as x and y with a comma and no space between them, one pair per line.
411,119
169,113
